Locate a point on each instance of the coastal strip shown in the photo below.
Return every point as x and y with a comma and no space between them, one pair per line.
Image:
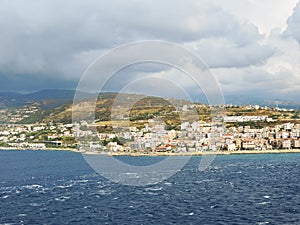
238,152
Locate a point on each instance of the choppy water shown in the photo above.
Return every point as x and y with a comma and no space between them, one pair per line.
51,187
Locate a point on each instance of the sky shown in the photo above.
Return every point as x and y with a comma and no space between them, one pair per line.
251,46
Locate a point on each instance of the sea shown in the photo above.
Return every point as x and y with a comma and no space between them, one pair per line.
59,187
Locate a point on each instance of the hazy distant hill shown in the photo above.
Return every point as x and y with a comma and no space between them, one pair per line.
51,94
49,98
248,100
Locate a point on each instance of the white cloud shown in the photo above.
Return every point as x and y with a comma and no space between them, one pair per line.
266,15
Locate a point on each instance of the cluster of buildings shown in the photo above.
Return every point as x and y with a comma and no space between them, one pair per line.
16,115
193,137
196,136
232,119
36,136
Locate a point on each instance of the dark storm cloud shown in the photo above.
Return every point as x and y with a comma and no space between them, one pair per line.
50,43
38,35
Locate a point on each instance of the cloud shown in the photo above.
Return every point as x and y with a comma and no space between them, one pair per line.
39,37
220,52
265,15
293,28
166,81
276,79
52,42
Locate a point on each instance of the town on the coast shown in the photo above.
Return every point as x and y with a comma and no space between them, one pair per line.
240,133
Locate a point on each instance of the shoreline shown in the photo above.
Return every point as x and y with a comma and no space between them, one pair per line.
38,149
239,152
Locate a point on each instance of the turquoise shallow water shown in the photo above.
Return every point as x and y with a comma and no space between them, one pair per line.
52,187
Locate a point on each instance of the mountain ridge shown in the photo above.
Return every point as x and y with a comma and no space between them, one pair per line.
51,98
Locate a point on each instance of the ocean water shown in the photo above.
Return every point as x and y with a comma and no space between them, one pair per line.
51,187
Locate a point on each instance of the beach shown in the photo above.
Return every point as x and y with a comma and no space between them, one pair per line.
238,152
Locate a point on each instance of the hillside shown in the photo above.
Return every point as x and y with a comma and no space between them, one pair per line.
55,106
144,109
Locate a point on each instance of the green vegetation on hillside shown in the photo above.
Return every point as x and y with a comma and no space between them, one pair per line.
138,109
